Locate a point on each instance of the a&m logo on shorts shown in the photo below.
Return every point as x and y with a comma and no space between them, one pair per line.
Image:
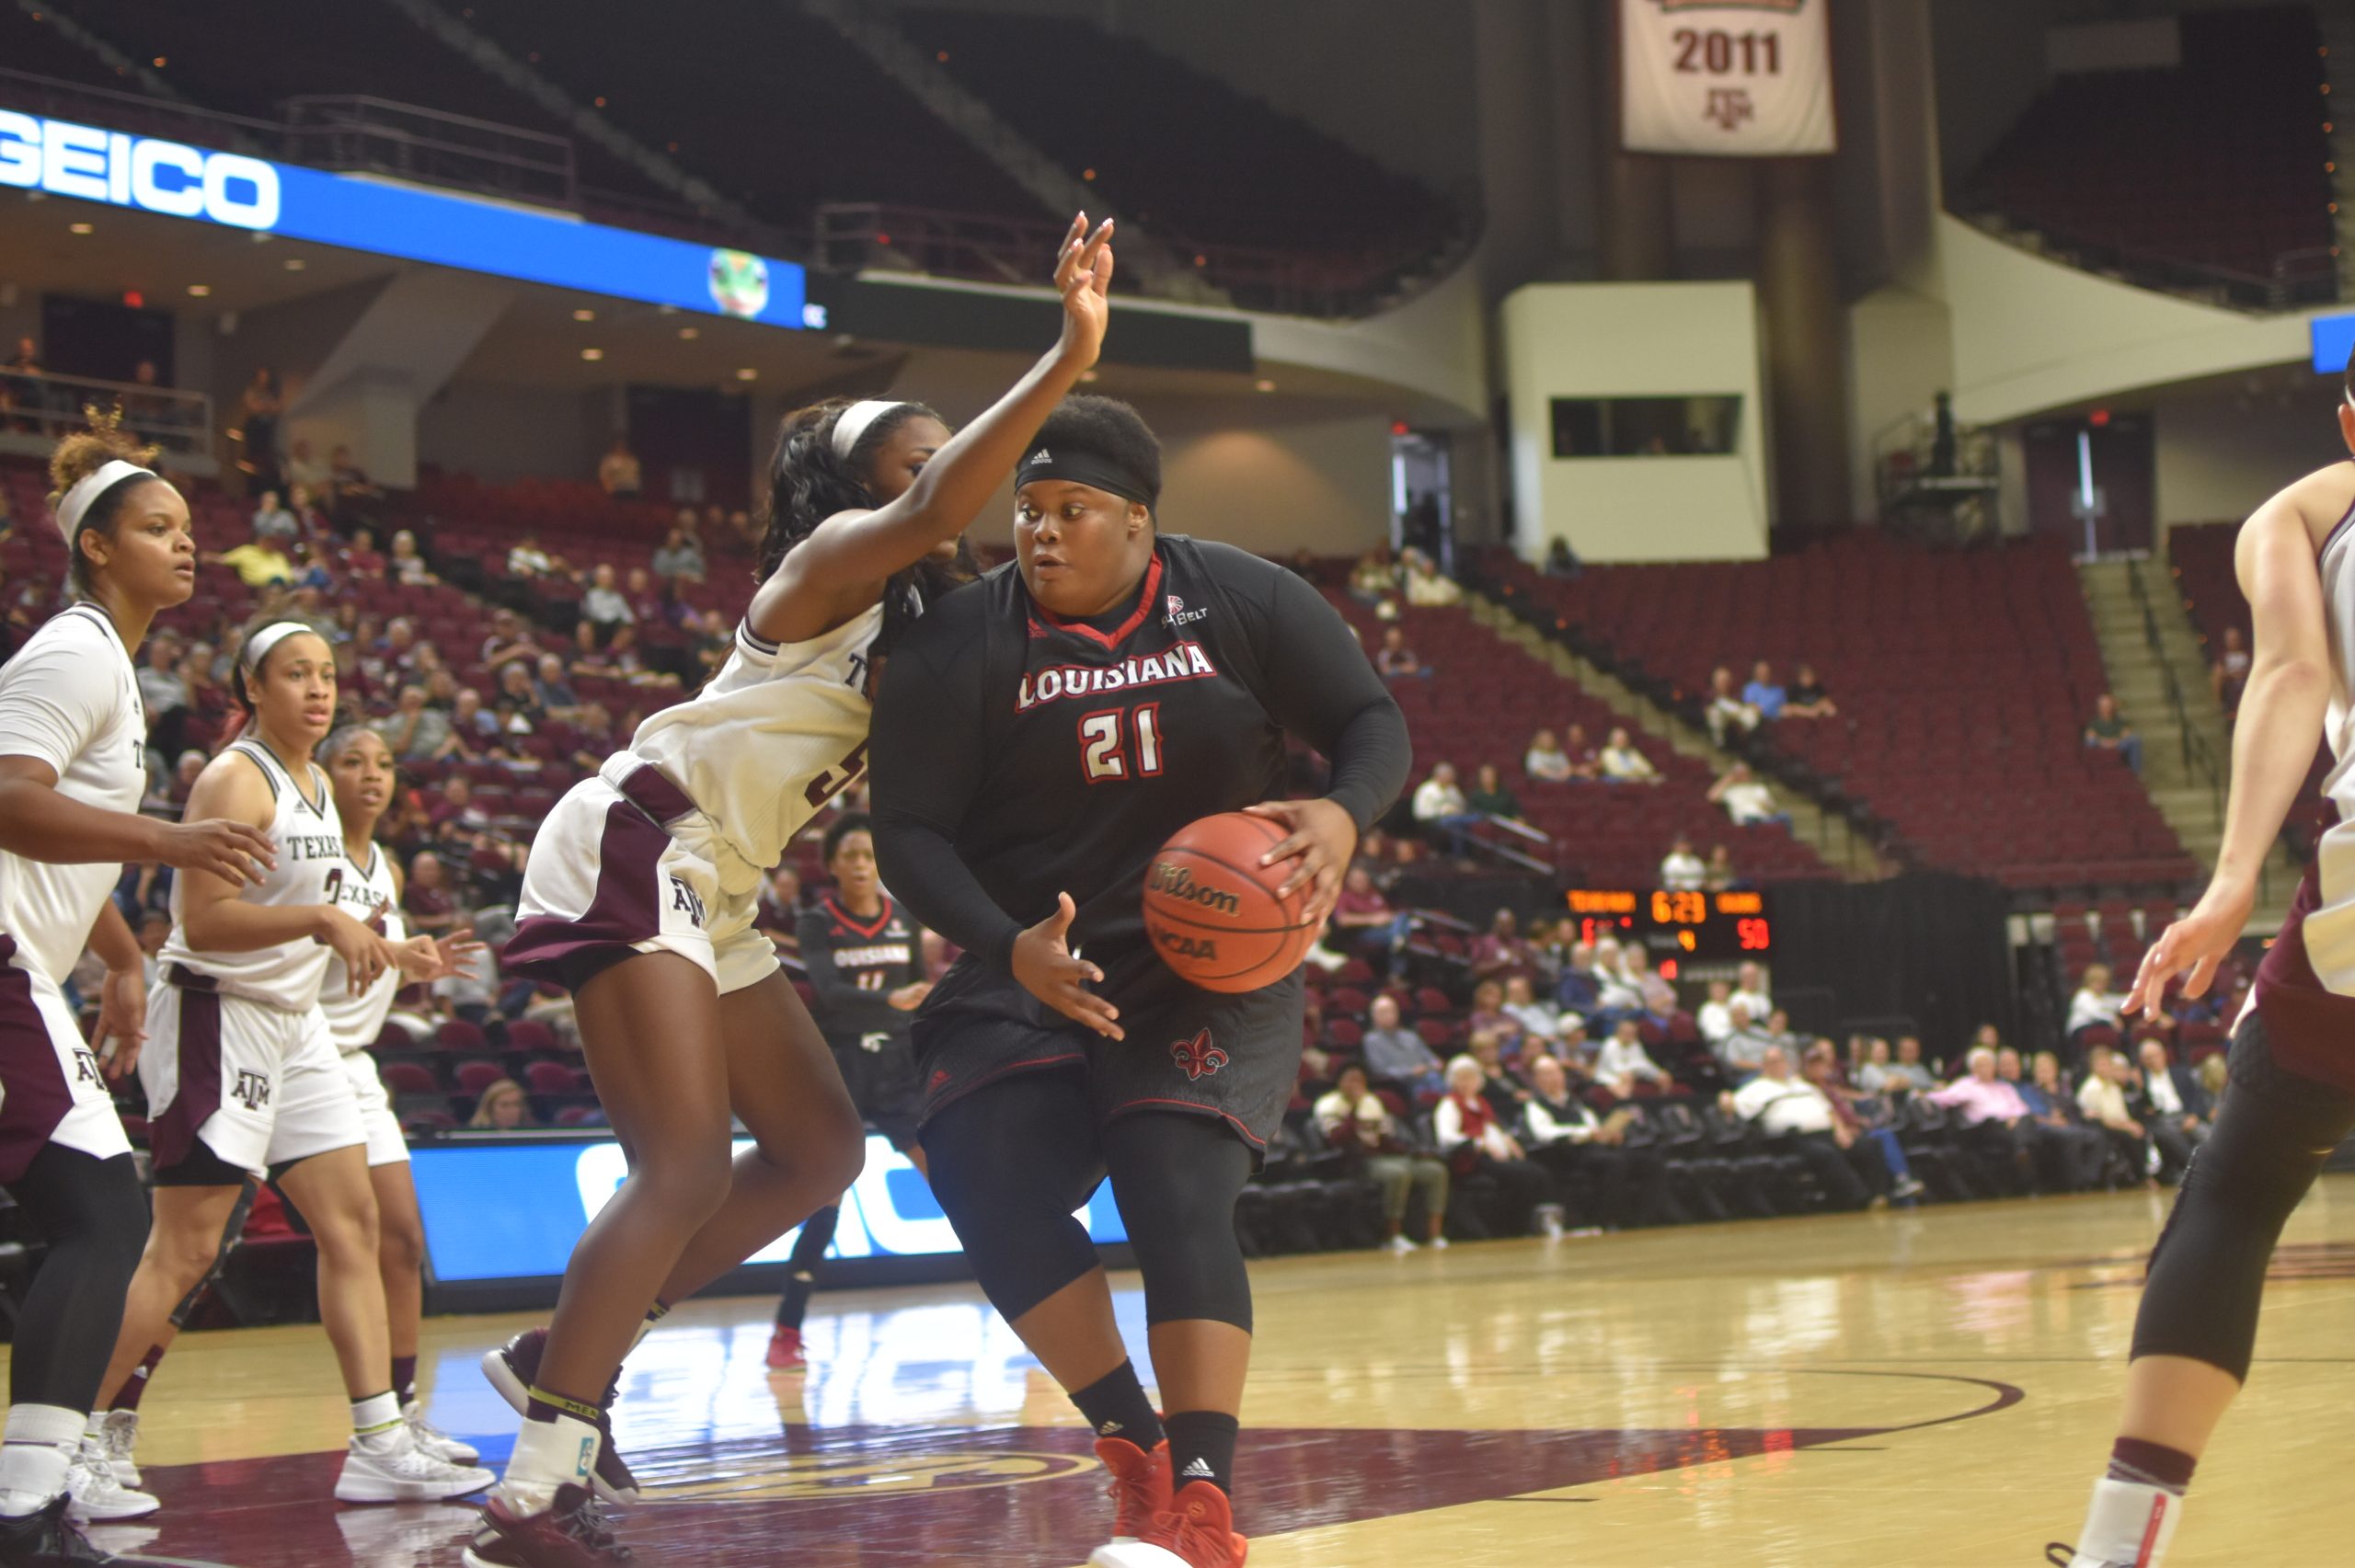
1198,1057
682,899
252,1089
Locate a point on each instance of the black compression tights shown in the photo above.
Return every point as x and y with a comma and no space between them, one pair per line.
95,1218
1012,1160
2208,1271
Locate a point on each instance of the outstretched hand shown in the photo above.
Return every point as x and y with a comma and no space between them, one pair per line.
1083,277
2194,946
1048,970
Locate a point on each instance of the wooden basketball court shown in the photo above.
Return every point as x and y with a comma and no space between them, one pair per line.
1889,1389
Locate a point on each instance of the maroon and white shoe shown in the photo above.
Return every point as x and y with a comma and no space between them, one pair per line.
514,1367
572,1534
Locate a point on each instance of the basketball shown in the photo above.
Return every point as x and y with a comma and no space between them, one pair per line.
1212,909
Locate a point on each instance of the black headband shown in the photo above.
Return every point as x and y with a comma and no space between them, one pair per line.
1079,466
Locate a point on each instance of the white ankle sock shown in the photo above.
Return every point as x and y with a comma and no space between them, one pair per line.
375,1415
2130,1523
549,1454
39,1448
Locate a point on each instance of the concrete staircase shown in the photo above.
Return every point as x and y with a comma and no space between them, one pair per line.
2189,794
1842,849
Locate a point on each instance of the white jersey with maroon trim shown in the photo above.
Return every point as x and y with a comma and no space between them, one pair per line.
71,699
367,895
777,733
312,866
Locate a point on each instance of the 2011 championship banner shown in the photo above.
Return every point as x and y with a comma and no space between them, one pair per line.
1728,78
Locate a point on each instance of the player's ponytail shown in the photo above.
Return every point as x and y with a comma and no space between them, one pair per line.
810,481
81,454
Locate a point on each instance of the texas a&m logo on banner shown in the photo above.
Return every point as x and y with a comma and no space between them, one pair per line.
1736,78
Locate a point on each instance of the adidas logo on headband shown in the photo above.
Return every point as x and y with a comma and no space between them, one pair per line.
1042,455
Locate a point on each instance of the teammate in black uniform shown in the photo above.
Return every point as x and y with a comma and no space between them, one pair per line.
1039,735
866,973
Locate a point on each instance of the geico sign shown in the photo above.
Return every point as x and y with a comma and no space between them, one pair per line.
136,171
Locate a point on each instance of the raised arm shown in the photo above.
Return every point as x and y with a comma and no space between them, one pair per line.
2275,734
841,567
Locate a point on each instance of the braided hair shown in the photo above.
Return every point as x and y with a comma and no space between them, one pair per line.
809,483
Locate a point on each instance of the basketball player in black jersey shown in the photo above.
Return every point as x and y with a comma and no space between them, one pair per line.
1040,734
865,970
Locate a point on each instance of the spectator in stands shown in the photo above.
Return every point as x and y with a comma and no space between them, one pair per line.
1994,1113
1581,1149
2228,677
1369,926
1425,584
1499,1057
618,471
1502,951
361,560
164,693
630,665
22,391
1622,1062
714,641
2073,1153
1682,871
1474,1143
1621,763
1746,798
1355,1121
1489,797
259,563
1765,694
1750,986
509,643
1715,1015
352,484
1441,811
2094,1005
2108,732
1394,660
1728,716
1909,1072
273,521
1539,1018
503,1108
650,603
259,409
1395,1054
1820,1067
680,558
1561,561
305,470
1580,989
1585,763
528,560
2101,1099
406,566
1374,577
554,691
1807,699
476,727
1545,761
603,605
415,732
1718,874
426,900
1743,1050
2155,1098
2176,1091
519,699
1488,1015
1796,1111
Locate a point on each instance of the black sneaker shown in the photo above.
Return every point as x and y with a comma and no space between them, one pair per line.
515,1365
47,1539
572,1534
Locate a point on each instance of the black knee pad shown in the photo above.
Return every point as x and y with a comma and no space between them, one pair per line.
1009,1164
1178,1177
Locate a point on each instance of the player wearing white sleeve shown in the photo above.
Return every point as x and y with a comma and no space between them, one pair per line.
243,1080
72,771
643,887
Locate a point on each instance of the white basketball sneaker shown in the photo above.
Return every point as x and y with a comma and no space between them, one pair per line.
97,1496
118,1435
391,1468
433,1441
2129,1525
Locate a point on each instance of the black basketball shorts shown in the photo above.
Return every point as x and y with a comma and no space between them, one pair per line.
1231,1057
880,1074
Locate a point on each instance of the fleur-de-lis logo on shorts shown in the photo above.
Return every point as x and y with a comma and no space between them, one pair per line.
1198,1057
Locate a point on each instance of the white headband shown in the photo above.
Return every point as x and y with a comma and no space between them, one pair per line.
853,421
258,647
77,501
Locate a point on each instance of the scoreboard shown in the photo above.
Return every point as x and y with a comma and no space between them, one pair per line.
1705,927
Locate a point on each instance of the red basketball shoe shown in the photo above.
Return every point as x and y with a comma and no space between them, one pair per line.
786,1354
1140,1489
1197,1531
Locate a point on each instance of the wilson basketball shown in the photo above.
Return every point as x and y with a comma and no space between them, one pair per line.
1213,910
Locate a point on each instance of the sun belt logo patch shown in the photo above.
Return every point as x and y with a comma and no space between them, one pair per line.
1198,1057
